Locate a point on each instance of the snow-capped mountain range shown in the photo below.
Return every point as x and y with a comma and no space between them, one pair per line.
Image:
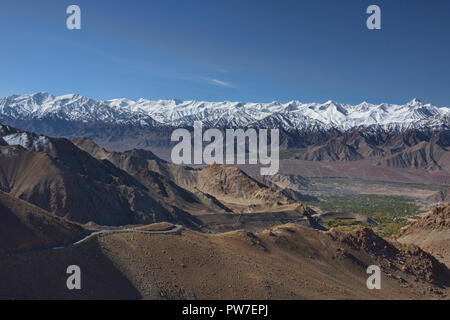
294,114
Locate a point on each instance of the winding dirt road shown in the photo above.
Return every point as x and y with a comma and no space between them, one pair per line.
176,229
102,232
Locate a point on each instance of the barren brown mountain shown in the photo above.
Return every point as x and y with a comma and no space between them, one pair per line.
232,185
431,233
425,155
412,148
166,179
218,187
25,227
57,176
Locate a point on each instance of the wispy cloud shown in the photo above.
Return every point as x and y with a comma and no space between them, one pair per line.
220,83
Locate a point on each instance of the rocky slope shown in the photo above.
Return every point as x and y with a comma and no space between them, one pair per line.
424,148
393,255
219,187
284,262
55,175
26,227
431,233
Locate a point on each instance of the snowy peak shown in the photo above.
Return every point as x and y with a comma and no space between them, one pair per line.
415,102
29,141
143,112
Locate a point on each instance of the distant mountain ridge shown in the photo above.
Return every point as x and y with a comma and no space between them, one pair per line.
176,113
414,135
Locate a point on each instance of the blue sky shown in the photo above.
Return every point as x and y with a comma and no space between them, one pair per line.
238,50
